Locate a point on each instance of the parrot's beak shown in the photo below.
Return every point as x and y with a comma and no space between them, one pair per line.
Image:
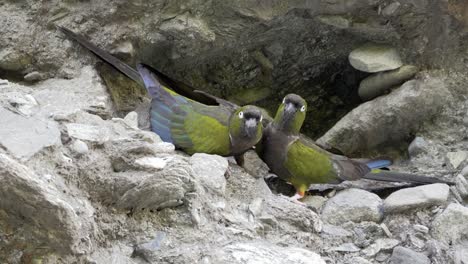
251,126
289,110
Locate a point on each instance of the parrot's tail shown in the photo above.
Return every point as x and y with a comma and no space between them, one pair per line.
378,163
104,55
393,176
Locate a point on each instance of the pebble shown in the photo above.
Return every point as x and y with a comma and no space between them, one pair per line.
131,119
346,247
451,225
457,158
375,58
417,197
402,255
418,146
352,205
381,244
464,172
421,228
315,202
152,162
33,76
391,8
79,147
377,84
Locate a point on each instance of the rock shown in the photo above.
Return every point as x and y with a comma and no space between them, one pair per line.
335,20
254,165
41,211
131,119
335,231
375,58
4,83
391,8
421,228
79,147
346,247
95,134
149,250
124,51
353,205
315,202
210,170
381,244
451,225
262,252
23,104
33,76
461,255
152,162
464,172
457,158
418,146
417,197
402,255
372,125
377,84
28,135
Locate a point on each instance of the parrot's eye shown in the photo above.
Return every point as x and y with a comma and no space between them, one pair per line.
241,114
303,108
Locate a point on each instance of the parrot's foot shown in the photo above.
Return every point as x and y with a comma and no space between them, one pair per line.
295,199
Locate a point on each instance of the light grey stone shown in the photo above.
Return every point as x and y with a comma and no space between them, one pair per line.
421,228
377,84
457,158
33,76
381,244
92,133
254,165
210,171
391,8
316,202
20,103
262,252
352,205
149,250
79,147
372,125
346,247
336,21
4,83
131,119
152,162
25,136
335,231
418,146
417,197
451,226
402,255
375,58
464,171
43,210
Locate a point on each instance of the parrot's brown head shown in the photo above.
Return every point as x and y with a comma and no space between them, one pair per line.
291,113
245,127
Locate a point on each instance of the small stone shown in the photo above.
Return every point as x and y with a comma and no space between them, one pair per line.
377,84
87,132
33,76
131,119
382,256
464,172
335,21
79,147
152,162
461,184
421,229
4,83
391,9
386,230
124,51
210,170
335,231
346,247
149,250
165,147
375,58
254,165
353,205
314,201
451,225
418,146
457,158
23,104
381,244
417,197
402,255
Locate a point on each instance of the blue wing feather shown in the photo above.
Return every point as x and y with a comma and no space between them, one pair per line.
378,164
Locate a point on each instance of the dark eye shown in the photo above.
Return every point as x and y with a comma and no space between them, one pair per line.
303,108
241,114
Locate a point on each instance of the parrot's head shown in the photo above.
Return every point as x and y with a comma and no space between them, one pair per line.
245,125
291,113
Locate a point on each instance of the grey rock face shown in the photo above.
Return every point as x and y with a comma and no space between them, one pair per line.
373,125
451,226
353,205
417,197
40,210
210,171
375,58
26,136
402,255
260,252
377,84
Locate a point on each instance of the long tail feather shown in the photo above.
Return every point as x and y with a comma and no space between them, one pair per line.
393,176
116,63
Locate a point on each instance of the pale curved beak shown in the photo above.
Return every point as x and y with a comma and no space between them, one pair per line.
251,126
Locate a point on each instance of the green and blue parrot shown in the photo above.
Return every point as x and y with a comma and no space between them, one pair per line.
224,129
299,161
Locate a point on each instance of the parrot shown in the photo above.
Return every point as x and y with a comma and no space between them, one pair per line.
224,129
296,158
